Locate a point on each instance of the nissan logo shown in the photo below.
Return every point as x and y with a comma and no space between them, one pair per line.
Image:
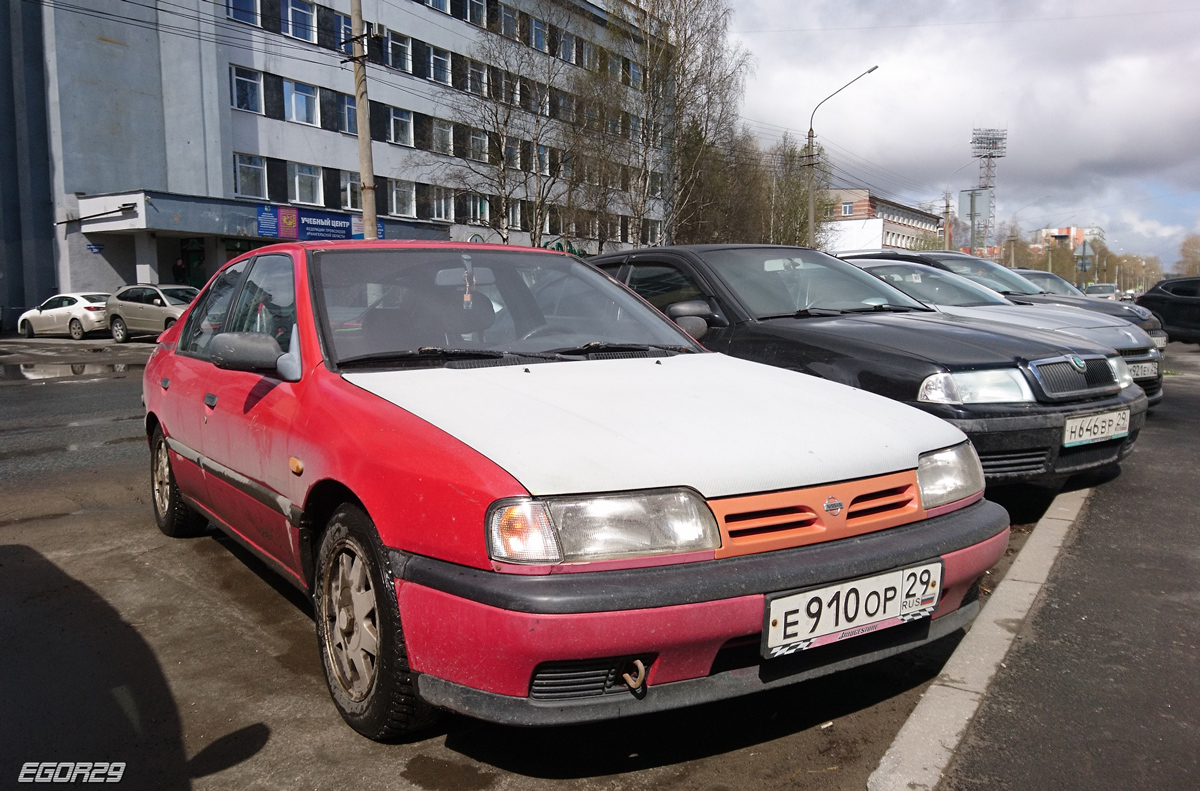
833,506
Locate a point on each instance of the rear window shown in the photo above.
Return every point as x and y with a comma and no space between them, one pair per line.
97,297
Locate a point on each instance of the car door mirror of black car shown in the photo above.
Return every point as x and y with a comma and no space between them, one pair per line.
694,316
693,325
255,352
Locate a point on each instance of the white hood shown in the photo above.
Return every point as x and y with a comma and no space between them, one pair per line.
720,425
1086,324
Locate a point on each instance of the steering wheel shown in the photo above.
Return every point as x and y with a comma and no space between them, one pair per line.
538,331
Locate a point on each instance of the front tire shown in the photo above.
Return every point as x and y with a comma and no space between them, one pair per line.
76,328
358,630
26,329
120,332
174,517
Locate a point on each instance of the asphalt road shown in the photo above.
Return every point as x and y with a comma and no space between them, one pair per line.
1101,690
197,666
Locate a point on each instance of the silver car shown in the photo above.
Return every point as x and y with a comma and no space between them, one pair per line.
955,295
146,309
66,314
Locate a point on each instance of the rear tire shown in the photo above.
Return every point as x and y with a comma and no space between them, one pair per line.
174,517
120,333
26,329
358,631
168,324
76,329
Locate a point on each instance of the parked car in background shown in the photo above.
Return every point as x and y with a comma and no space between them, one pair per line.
493,470
1049,282
146,309
957,296
1103,291
1176,303
66,314
1034,405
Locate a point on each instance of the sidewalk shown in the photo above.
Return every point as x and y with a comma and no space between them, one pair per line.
1101,688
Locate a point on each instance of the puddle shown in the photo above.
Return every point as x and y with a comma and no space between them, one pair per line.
38,371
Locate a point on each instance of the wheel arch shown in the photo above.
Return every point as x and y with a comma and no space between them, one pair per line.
322,500
152,422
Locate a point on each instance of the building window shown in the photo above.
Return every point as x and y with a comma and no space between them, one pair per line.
348,115
635,127
477,82
300,103
304,183
542,99
399,51
246,89
439,5
351,191
509,25
510,89
442,207
400,130
439,65
847,208
299,20
514,215
477,145
402,199
476,12
250,176
566,108
543,160
242,10
478,210
343,28
656,183
588,55
443,137
512,152
635,75
539,39
566,47
651,231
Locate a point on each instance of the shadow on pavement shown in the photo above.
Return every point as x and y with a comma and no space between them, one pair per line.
674,737
78,683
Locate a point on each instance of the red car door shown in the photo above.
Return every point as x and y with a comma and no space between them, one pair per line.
249,418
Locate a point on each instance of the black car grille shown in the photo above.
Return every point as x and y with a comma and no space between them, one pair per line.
1010,463
1134,352
1151,387
1061,379
1084,456
581,678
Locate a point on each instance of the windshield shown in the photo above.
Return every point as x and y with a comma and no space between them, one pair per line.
1102,288
987,273
934,286
404,303
773,282
181,295
1052,284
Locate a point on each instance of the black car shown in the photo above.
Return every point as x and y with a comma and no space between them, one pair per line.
1012,285
1176,303
1034,405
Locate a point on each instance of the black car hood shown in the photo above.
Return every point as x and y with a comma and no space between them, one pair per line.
1108,307
937,339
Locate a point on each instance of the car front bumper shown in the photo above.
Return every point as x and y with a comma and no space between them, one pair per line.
1018,443
550,649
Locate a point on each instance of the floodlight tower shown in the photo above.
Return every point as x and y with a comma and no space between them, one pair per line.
988,145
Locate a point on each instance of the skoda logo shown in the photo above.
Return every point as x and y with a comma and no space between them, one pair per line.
1079,364
834,506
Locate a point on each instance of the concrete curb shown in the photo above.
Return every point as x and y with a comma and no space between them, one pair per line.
924,746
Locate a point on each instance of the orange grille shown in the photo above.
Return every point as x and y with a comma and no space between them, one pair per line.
764,522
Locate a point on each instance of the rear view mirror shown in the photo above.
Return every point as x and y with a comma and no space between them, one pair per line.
484,276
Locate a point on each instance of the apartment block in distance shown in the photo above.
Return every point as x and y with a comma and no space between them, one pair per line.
142,134
862,221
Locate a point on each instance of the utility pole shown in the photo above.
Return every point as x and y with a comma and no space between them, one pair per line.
812,158
946,223
366,164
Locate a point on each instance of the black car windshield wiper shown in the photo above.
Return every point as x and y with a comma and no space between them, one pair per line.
604,346
882,309
436,353
803,313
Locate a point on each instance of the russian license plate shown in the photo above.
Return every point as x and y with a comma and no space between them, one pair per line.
1160,341
1095,428
1143,370
799,621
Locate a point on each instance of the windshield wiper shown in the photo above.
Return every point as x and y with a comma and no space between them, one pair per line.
604,346
436,353
881,309
803,313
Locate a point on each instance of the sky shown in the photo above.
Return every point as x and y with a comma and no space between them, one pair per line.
1100,98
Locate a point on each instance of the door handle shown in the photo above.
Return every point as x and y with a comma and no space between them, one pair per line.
165,383
210,400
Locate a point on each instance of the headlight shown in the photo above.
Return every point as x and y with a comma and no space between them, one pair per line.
601,527
948,475
999,386
1120,371
1139,311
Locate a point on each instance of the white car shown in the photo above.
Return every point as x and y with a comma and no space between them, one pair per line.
66,314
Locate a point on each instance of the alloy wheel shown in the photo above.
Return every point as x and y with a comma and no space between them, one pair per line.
162,478
352,621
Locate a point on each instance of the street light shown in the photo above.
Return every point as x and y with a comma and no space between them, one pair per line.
812,161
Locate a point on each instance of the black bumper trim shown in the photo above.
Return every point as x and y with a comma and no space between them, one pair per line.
690,583
510,710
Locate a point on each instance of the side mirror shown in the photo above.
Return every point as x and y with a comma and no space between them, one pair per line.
245,351
692,316
158,302
693,325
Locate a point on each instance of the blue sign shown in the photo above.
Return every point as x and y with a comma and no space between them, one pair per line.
286,222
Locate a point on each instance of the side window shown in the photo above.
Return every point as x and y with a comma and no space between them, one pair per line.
207,317
1185,288
131,295
68,301
267,303
663,285
52,303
